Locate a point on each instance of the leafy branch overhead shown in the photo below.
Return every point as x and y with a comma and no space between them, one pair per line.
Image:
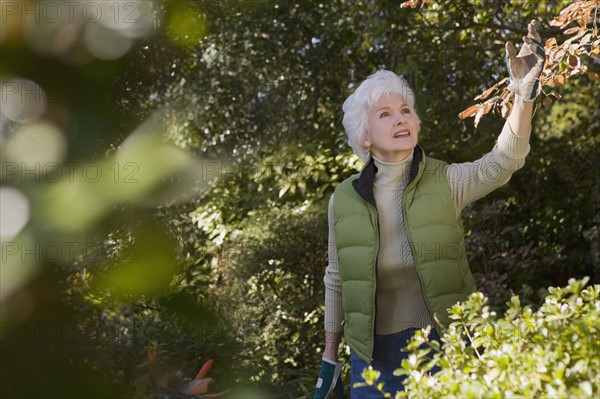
414,3
563,61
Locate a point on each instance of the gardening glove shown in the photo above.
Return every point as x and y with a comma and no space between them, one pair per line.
526,67
329,380
200,384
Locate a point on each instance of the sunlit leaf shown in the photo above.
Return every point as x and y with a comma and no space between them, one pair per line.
550,42
472,110
485,94
571,30
555,95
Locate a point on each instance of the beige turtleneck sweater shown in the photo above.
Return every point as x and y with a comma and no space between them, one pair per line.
400,302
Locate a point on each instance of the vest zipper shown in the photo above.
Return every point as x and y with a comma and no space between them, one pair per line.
410,241
375,266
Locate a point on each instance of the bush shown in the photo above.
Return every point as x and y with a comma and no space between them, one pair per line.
552,352
272,288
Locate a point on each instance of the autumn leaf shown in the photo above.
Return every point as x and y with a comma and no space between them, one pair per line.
571,30
559,54
486,93
414,3
410,3
550,42
478,115
469,111
564,60
555,95
585,39
573,61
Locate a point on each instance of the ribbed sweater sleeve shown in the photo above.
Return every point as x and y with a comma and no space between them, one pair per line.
334,312
470,181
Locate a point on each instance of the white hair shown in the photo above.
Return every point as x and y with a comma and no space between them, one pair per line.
357,106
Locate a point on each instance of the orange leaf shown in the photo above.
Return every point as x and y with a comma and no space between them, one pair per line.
571,30
585,39
410,3
573,61
485,94
555,95
559,54
550,42
556,21
574,72
579,34
478,115
486,108
469,111
594,76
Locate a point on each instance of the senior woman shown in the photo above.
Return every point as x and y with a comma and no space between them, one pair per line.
397,257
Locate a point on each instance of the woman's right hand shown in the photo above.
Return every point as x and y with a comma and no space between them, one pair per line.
526,67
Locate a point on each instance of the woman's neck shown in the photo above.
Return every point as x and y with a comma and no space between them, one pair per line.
393,175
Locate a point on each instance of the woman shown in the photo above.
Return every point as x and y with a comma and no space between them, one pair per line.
397,257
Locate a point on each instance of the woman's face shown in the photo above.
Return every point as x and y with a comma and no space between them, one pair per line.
392,129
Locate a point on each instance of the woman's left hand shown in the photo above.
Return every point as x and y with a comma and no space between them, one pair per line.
526,67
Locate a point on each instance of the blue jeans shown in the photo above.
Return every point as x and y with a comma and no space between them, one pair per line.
387,357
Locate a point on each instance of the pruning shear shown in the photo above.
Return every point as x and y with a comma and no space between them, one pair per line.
197,388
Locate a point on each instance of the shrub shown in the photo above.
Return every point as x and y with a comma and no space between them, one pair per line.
271,286
552,352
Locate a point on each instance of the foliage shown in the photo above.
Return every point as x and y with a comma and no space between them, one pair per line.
271,289
563,61
548,237
250,105
549,352
86,282
224,100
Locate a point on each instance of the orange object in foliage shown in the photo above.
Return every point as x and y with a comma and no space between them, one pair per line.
199,386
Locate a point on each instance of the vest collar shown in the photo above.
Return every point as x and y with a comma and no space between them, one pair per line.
363,184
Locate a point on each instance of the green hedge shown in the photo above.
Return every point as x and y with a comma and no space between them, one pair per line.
553,352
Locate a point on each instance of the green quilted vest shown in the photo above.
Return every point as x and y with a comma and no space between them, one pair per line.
435,235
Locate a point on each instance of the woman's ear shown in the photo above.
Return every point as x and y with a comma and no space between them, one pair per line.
365,141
